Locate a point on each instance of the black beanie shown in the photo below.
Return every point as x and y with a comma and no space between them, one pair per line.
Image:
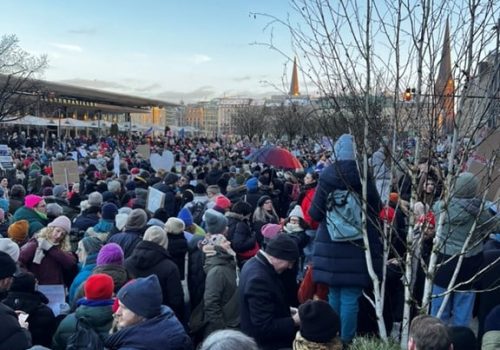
283,247
319,323
7,266
24,282
242,208
262,200
161,214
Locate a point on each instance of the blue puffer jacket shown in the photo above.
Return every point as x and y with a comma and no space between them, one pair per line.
343,264
161,332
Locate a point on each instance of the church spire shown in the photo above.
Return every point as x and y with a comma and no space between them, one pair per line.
294,86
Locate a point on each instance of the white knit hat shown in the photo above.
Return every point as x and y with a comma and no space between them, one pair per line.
9,247
297,212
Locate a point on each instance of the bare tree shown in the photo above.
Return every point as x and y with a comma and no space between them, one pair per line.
355,52
18,68
250,121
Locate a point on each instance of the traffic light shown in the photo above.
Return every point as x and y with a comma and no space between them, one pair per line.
407,96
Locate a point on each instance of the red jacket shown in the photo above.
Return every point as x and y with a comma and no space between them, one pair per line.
306,204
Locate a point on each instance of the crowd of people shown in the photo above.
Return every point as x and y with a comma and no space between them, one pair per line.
238,254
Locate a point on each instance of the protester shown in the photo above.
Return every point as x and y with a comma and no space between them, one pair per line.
143,322
18,232
48,256
228,339
132,233
150,256
95,310
34,211
177,243
23,296
13,334
428,333
270,323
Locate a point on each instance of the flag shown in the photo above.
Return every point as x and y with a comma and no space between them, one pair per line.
444,89
148,132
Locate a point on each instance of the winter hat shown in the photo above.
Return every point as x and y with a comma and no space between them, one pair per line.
208,244
99,287
143,296
92,245
8,266
62,222
215,222
23,282
394,197
8,246
262,200
130,186
174,225
84,205
58,191
137,219
109,211
283,247
223,202
171,178
32,200
157,235
462,338
161,214
186,216
124,210
466,185
47,192
110,254
270,231
242,208
200,189
252,184
297,212
54,209
18,231
319,323
95,199
121,221
344,148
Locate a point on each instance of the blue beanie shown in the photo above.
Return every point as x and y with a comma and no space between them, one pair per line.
109,211
186,216
344,148
252,184
143,296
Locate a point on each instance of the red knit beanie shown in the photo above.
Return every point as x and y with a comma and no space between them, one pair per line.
99,287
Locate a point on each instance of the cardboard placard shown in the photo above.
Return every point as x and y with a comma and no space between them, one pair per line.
478,165
156,199
56,295
144,151
65,172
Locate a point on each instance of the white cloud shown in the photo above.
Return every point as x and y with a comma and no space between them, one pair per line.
198,59
67,47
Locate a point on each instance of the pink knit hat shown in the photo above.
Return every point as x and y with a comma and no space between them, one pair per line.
63,222
270,230
32,200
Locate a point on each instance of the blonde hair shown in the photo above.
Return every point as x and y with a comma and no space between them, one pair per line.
45,232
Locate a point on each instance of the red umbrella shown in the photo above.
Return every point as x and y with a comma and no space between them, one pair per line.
275,156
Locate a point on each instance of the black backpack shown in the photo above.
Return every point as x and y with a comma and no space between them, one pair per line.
84,338
197,210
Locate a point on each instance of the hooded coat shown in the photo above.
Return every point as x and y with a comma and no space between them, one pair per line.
150,258
161,332
41,319
12,335
221,292
336,263
127,240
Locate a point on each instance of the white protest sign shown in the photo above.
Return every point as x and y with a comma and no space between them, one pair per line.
156,199
165,161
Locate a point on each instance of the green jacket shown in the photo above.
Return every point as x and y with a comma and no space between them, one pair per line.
99,317
459,218
221,307
35,220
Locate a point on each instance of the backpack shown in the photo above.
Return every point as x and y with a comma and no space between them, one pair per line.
197,210
84,338
343,215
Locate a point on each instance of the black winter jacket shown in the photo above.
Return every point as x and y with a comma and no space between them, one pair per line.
177,248
149,258
12,336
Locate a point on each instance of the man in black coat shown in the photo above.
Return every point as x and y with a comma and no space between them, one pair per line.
12,335
265,314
